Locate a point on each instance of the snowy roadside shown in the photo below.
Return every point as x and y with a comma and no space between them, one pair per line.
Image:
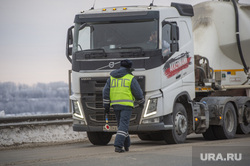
39,134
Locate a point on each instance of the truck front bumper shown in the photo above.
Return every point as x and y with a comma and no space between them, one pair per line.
132,129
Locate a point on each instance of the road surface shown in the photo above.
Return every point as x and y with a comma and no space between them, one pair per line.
145,153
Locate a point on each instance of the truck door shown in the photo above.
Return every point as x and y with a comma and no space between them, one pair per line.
170,48
186,50
177,37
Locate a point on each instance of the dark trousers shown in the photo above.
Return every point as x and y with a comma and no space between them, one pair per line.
123,115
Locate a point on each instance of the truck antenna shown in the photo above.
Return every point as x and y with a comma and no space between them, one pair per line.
152,3
93,7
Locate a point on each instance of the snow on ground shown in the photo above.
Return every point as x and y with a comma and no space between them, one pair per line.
39,134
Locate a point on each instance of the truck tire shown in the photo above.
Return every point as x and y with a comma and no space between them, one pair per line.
99,138
179,132
244,127
209,134
229,123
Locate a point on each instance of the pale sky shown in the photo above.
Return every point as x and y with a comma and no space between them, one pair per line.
33,36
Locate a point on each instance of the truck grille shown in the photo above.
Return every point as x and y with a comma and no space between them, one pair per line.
92,102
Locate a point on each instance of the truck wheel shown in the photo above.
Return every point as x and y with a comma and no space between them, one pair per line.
99,138
229,123
179,132
209,134
244,127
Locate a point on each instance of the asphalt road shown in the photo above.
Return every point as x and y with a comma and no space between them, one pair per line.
144,153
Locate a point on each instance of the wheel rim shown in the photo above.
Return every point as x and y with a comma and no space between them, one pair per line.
180,123
229,121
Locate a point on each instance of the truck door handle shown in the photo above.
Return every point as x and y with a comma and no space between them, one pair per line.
179,76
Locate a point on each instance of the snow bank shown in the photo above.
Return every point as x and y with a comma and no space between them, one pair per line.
39,134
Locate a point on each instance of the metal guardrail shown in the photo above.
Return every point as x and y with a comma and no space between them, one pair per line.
32,120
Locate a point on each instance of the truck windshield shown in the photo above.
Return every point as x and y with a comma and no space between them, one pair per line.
117,36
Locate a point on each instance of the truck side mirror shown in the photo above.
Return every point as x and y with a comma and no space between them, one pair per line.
174,32
69,43
174,37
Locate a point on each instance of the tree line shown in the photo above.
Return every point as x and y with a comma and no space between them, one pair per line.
40,98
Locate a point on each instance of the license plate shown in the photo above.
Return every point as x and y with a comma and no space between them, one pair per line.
111,128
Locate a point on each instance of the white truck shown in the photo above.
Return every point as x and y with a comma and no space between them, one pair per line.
194,76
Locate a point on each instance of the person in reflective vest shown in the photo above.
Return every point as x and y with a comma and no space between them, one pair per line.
120,92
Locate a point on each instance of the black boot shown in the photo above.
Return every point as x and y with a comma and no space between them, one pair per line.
119,150
126,149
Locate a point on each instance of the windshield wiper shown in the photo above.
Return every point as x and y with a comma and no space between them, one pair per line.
95,49
91,53
130,48
95,53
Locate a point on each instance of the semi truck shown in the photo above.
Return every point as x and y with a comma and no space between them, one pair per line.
194,75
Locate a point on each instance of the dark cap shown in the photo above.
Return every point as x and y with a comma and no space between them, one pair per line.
126,63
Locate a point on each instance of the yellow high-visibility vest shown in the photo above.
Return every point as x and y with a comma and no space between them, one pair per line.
120,91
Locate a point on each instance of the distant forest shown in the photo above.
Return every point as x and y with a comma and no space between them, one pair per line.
41,98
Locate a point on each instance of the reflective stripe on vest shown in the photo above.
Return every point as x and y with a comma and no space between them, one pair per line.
120,91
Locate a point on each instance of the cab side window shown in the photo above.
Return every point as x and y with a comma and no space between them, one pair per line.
170,39
166,41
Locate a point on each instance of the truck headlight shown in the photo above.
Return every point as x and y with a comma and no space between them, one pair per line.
152,120
151,107
77,109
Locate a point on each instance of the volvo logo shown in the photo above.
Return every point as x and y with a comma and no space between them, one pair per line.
111,64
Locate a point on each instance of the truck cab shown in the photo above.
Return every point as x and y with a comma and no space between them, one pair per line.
158,40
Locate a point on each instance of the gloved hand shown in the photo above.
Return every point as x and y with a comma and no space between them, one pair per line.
141,103
107,110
